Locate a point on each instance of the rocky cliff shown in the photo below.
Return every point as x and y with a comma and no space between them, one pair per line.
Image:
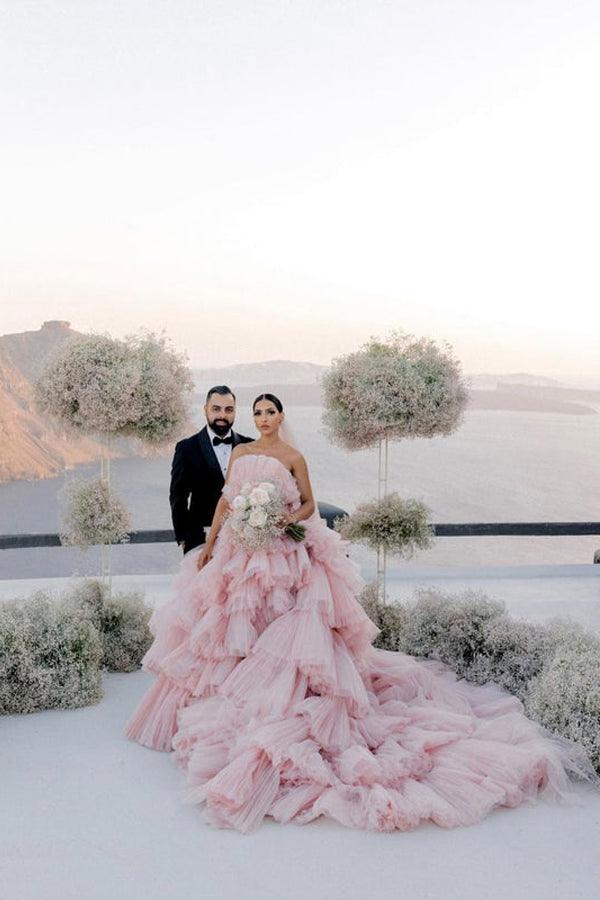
30,447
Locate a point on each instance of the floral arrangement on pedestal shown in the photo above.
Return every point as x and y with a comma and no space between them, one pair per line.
107,387
394,389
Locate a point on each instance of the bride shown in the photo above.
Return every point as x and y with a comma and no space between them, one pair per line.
275,702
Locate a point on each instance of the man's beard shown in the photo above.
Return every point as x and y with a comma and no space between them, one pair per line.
220,429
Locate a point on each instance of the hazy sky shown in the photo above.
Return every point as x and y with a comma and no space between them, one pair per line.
282,180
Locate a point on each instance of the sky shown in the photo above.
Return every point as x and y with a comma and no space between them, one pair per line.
283,180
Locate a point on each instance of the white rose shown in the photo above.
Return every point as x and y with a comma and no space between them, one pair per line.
258,517
246,487
240,502
258,497
267,486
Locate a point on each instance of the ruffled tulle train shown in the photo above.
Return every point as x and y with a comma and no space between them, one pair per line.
275,702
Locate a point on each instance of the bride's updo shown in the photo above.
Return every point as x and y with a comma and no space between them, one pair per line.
272,398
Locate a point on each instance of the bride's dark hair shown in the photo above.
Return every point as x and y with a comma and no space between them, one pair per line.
274,400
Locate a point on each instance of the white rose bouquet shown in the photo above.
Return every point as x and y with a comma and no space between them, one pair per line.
256,514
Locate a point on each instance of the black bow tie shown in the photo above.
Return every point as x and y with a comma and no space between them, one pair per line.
218,440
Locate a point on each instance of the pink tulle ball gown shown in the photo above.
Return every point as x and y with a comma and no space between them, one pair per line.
275,702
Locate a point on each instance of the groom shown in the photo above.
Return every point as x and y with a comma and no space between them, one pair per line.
199,467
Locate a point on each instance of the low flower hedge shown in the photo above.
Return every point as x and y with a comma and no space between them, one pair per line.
53,649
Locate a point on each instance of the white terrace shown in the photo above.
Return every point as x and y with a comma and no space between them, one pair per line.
86,813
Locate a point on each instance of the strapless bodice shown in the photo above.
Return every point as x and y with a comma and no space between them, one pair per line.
256,467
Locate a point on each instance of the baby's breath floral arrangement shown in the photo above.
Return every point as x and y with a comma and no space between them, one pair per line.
554,669
50,656
390,389
121,618
89,384
402,387
256,515
398,525
565,696
125,631
93,515
53,648
96,384
390,618
159,396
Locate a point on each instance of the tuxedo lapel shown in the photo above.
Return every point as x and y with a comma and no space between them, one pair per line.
208,453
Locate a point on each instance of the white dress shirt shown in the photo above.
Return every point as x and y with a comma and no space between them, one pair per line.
223,451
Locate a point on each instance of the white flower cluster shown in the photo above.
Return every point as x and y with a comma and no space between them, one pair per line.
403,387
94,515
125,631
553,669
53,648
401,526
565,697
121,618
255,514
50,656
95,384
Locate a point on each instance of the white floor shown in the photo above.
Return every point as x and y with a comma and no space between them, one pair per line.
86,814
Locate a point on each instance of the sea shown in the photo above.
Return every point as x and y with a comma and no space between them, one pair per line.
499,466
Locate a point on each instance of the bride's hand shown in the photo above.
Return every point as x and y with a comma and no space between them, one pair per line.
286,519
203,557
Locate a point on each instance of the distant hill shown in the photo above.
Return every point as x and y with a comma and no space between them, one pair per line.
274,373
587,395
487,381
500,399
29,350
297,384
30,446
527,401
265,374
532,392
289,394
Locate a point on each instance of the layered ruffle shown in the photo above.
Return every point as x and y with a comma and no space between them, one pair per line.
275,703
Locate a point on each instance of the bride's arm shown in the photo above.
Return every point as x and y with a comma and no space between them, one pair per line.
308,505
217,520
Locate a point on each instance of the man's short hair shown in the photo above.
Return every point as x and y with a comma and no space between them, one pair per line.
219,389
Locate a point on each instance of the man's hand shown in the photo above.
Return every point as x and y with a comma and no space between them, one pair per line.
203,557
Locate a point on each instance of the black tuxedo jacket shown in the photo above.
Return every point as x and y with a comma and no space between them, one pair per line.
196,485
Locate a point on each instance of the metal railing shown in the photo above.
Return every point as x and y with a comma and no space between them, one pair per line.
330,513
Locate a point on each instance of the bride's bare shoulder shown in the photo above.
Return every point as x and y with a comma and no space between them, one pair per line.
296,460
288,450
